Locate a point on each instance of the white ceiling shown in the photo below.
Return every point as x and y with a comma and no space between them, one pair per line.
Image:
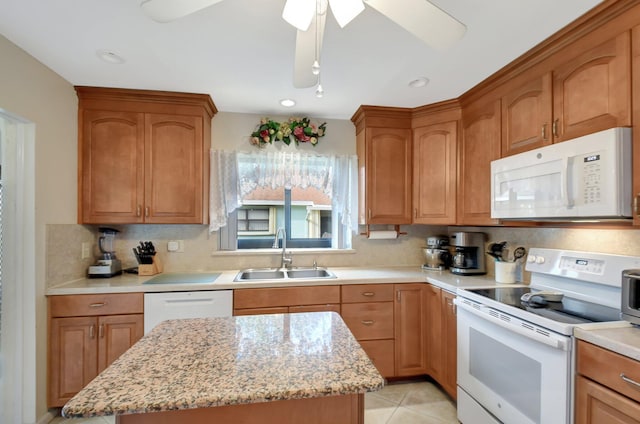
241,51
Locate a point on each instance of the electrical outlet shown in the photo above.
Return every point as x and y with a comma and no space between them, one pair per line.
86,250
175,246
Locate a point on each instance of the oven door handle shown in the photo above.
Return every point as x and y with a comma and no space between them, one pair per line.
555,342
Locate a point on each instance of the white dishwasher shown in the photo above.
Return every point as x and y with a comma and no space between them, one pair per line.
160,307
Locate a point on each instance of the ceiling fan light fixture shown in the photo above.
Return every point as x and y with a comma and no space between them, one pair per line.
299,13
315,68
287,102
319,91
345,10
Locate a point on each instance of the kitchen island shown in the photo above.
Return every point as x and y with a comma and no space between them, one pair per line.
285,368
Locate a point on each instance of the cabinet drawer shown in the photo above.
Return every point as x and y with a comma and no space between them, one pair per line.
285,296
329,307
606,368
369,321
367,293
381,354
96,304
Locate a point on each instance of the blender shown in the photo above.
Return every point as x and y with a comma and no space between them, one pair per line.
108,265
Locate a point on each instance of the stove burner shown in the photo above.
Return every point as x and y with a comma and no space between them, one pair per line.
570,311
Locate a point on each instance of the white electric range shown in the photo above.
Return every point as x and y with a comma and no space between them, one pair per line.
515,357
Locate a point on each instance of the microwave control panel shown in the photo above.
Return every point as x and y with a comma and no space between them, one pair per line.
592,178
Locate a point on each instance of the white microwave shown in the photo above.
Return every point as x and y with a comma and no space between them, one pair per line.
586,178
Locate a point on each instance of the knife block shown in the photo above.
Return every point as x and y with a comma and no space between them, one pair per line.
152,268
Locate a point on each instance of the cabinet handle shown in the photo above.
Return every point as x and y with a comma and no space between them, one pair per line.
415,212
367,321
554,128
92,331
368,294
398,295
635,205
101,331
146,211
138,210
544,131
630,381
369,213
97,305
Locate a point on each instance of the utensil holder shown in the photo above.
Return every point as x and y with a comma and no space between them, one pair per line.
507,272
151,269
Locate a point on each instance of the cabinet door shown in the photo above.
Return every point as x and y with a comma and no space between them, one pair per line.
434,174
388,176
450,344
435,335
410,314
527,116
381,354
116,334
111,167
480,145
73,357
173,169
593,91
596,404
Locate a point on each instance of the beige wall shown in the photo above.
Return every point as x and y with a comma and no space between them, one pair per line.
32,91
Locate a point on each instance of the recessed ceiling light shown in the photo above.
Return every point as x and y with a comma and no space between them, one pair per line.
419,82
110,57
288,102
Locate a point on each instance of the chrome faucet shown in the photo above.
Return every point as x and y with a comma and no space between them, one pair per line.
287,260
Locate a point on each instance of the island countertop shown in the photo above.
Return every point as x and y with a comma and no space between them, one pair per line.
208,362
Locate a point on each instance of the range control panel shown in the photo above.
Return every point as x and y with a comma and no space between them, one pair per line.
602,268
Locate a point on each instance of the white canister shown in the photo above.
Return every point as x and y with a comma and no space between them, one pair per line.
506,272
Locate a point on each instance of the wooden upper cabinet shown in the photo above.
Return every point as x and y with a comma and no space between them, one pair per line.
592,92
383,143
480,144
143,156
434,173
527,116
112,164
173,169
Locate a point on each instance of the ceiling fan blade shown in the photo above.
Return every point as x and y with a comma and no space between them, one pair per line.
423,19
306,53
345,10
169,10
299,13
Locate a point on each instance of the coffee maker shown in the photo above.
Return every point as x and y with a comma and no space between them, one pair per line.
108,265
437,253
468,257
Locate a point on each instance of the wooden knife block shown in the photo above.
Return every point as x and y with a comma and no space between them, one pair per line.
151,269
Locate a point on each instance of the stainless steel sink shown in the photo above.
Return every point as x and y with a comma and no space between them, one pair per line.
284,274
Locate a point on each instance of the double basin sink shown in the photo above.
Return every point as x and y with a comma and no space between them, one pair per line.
284,274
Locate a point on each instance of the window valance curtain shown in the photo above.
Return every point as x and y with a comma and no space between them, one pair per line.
235,174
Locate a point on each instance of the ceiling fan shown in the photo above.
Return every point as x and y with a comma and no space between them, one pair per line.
421,18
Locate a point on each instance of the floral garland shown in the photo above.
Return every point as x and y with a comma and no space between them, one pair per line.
299,130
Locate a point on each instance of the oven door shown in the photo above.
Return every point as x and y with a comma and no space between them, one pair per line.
518,373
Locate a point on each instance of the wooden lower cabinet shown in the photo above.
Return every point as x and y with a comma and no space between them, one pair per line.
82,343
410,323
368,311
602,395
282,300
449,374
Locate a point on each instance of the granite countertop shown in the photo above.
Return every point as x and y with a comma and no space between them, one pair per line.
127,283
200,363
620,337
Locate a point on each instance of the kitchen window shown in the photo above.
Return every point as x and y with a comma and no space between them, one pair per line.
310,196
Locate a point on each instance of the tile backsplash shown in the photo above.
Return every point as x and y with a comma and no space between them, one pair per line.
64,247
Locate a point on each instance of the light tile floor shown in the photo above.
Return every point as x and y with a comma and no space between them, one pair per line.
397,403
